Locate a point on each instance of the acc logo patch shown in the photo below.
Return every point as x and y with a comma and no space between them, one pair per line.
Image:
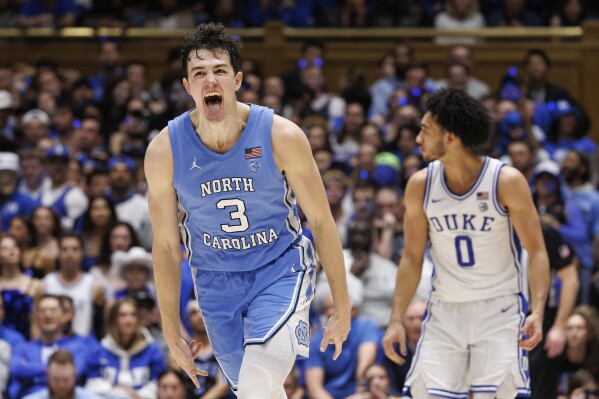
254,166
302,333
483,206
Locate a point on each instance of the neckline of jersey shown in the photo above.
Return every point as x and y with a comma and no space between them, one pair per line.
479,179
242,139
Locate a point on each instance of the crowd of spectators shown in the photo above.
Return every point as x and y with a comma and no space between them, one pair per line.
168,14
77,300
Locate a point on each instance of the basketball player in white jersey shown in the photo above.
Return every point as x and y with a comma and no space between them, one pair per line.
474,211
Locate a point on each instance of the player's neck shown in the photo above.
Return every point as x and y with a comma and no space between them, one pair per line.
220,136
462,170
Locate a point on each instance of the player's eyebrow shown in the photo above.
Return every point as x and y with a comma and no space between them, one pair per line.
423,125
223,65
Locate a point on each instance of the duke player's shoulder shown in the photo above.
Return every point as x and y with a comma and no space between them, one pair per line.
417,182
508,176
511,186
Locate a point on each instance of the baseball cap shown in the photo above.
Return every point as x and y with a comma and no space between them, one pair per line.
127,161
36,114
5,100
560,108
386,170
58,151
9,161
548,167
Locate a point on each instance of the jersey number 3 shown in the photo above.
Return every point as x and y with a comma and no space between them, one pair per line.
238,214
464,251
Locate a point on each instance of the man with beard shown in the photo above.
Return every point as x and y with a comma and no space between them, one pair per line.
376,273
575,169
469,207
62,377
131,207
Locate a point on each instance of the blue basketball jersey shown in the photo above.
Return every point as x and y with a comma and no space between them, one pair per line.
238,212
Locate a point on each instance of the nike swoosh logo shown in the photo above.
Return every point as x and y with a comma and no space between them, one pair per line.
503,310
437,200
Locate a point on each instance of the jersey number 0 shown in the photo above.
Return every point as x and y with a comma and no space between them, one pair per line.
238,214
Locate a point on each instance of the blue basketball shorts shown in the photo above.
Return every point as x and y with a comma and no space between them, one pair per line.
245,308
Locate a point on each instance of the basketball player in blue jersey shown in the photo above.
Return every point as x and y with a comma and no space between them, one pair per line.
474,211
233,170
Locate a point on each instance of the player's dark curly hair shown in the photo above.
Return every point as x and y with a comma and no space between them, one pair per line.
462,115
212,37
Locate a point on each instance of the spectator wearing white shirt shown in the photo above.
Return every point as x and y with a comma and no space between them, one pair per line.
68,201
131,207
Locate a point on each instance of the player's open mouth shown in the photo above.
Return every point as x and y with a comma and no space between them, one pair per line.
213,101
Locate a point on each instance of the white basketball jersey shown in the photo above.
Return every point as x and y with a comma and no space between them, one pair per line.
81,292
474,248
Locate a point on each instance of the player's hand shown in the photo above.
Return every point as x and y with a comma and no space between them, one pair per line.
555,341
336,332
395,333
532,332
184,355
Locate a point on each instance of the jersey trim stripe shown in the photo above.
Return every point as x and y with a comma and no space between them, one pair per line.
525,378
426,318
447,394
516,253
472,189
281,322
289,221
496,202
427,186
187,241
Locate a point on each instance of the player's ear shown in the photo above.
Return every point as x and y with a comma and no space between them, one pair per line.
186,85
451,137
238,80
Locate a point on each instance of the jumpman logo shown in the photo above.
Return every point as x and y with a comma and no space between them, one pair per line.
194,165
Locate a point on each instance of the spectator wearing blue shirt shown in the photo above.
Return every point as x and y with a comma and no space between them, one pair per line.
29,361
566,133
561,213
128,360
8,334
328,378
575,170
12,202
47,13
62,377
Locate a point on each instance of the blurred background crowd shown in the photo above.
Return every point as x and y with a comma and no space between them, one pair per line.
78,309
296,13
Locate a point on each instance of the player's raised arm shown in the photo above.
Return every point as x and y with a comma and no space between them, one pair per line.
294,157
514,194
166,251
410,265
